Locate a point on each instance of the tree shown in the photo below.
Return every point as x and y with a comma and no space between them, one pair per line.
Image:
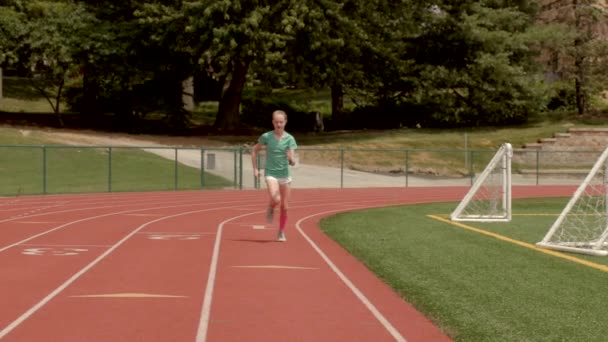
474,64
325,50
12,31
234,36
43,36
581,57
349,47
133,63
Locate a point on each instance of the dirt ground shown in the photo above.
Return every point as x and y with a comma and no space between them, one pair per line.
313,157
89,137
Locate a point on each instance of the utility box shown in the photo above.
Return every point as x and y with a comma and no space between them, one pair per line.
210,161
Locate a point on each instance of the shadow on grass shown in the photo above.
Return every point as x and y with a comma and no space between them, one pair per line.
19,89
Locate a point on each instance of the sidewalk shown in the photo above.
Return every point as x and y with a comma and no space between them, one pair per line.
222,163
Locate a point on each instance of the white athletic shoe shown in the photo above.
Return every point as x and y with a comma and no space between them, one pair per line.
281,237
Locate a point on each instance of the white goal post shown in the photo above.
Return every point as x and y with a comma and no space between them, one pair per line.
582,226
489,198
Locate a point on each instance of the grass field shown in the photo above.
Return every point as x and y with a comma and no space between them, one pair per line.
28,166
477,287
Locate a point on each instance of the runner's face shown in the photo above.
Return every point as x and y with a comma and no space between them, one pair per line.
279,122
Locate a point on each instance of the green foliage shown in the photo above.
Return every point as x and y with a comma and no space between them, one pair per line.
233,40
326,48
362,117
133,66
600,102
257,112
579,56
476,71
12,31
443,64
45,37
563,97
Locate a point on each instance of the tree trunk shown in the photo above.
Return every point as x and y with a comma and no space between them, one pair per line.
337,101
579,86
188,93
90,92
579,63
58,103
228,114
54,103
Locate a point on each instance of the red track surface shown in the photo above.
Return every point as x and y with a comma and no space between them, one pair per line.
196,266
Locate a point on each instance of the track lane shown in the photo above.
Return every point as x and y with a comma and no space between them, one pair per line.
43,323
288,292
20,230
29,276
323,313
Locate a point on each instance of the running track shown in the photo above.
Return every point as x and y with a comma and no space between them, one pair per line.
198,266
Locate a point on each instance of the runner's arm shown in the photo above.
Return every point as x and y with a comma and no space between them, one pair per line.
254,158
291,157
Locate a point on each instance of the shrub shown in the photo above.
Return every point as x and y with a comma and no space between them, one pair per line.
257,112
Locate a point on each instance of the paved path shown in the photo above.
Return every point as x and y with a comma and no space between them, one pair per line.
315,176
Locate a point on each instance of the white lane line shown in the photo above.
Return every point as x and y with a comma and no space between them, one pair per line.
2,249
59,245
203,325
371,307
78,274
128,295
55,212
178,233
277,267
188,203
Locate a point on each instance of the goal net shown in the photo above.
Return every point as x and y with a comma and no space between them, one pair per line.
582,227
489,199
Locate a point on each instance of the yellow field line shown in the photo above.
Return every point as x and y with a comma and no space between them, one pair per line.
523,244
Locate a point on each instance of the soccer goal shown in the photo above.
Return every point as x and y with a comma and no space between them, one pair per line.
582,227
489,199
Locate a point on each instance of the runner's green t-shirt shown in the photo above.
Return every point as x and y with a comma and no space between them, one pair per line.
276,153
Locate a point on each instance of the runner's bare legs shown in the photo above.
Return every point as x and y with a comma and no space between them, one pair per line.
285,190
274,193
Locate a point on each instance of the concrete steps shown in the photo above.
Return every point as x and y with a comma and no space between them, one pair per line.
568,154
588,139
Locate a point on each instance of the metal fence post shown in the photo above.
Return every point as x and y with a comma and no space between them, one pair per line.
175,168
44,169
341,168
202,167
241,168
235,172
471,170
109,168
537,166
407,156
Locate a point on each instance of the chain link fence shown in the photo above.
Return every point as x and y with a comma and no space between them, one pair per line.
55,169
